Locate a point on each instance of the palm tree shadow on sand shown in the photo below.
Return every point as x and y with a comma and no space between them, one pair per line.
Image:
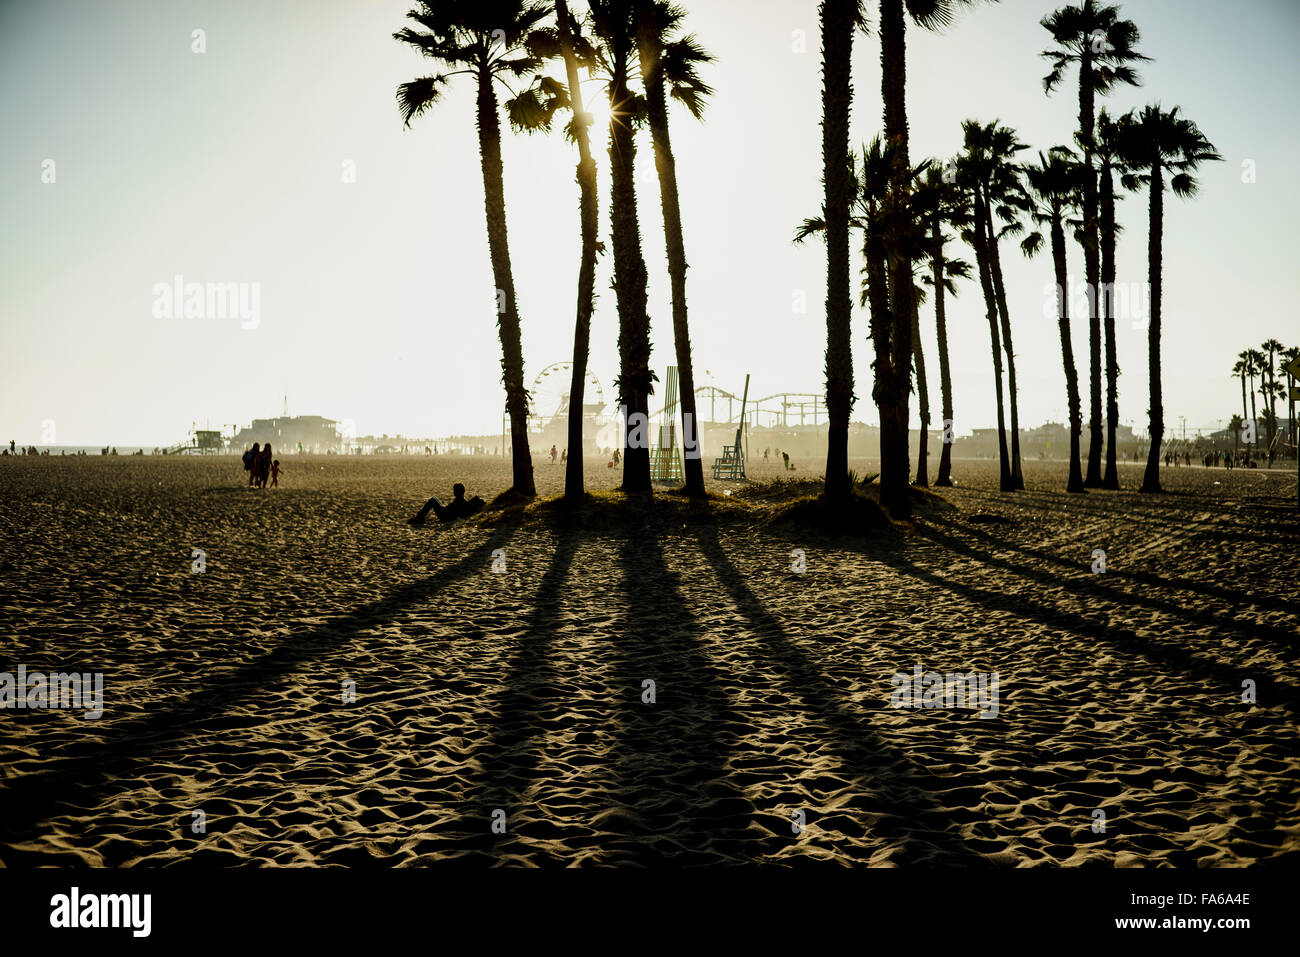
1105,632
83,777
521,715
671,795
906,812
674,791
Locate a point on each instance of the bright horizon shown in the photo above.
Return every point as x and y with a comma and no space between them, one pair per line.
228,166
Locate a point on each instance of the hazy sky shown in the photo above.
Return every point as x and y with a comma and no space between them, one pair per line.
376,296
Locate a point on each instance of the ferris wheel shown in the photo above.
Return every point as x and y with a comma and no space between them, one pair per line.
549,396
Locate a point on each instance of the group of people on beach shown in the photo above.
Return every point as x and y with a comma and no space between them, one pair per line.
785,458
261,466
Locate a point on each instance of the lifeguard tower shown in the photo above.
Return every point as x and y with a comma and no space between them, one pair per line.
732,463
665,456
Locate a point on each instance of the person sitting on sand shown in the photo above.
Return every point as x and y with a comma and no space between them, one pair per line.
458,507
275,474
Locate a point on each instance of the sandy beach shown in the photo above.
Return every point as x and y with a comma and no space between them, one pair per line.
770,738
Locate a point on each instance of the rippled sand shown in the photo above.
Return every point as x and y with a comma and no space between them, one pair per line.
523,691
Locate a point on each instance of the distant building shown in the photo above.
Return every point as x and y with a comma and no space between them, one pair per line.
314,432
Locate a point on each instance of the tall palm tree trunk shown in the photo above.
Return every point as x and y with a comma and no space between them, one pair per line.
894,490
589,217
630,289
1107,225
1091,268
945,380
991,310
1075,483
512,359
666,166
1151,479
837,97
1243,394
1254,420
995,270
882,320
922,401
1272,399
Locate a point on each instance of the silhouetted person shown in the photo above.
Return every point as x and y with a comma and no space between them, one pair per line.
785,457
553,454
264,466
251,458
458,507
275,473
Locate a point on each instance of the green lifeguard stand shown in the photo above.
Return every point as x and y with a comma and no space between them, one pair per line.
665,456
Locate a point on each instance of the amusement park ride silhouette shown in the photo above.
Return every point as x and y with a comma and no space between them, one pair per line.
549,414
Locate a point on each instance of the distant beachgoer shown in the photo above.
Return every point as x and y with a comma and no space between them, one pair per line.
553,454
11,447
300,448
785,457
617,457
250,460
275,474
264,466
458,507
564,456
765,455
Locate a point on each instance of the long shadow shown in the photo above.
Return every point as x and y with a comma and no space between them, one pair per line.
524,709
673,785
82,777
1159,581
909,813
1283,640
1271,692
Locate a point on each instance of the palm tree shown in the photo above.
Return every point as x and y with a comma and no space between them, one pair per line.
1160,142
940,205
566,41
871,189
614,26
1290,354
1271,348
1108,142
929,15
839,20
1056,183
1242,368
1093,36
1004,195
1254,367
668,60
1234,426
973,168
465,35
